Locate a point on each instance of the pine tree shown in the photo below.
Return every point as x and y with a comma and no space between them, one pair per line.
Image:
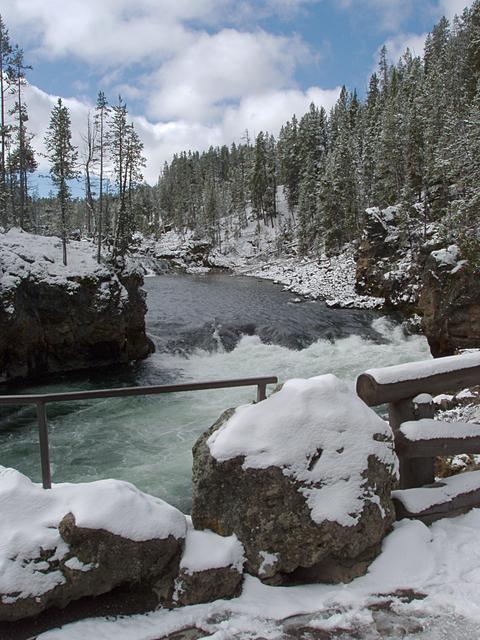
5,61
101,113
63,157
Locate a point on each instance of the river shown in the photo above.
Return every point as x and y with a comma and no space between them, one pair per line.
204,328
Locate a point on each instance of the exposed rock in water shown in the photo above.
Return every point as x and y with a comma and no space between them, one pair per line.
303,479
55,318
450,303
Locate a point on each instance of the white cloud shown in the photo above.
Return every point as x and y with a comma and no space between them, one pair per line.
268,111
397,45
264,111
216,69
201,82
110,32
450,8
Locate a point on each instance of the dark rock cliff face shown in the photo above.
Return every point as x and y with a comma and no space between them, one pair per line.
79,323
450,303
419,275
390,263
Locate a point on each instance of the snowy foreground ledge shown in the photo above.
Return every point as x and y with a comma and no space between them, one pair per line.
78,540
310,440
441,562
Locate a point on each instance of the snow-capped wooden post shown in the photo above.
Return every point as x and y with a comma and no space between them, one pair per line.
419,438
414,472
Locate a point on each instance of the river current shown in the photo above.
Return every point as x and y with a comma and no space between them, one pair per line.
204,328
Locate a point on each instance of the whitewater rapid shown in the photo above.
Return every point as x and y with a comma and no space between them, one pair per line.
148,440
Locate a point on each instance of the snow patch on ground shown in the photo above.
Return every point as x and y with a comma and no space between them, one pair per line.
327,278
24,255
442,562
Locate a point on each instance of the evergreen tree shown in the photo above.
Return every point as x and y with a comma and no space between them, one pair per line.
101,115
5,62
63,157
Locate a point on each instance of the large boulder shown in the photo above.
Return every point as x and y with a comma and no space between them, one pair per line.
303,479
56,318
450,302
73,541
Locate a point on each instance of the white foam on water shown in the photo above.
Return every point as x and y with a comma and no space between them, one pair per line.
148,440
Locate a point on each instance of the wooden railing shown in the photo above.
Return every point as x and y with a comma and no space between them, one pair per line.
406,389
41,400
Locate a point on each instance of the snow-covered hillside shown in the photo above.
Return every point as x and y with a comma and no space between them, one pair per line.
265,251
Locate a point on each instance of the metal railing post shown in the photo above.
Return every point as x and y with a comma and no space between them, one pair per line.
43,441
41,400
261,391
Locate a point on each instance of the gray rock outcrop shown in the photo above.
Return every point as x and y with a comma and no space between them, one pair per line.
450,303
55,318
303,479
211,568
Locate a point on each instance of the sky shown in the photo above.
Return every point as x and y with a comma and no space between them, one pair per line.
196,73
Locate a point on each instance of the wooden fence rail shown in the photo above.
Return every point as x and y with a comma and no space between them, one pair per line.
405,388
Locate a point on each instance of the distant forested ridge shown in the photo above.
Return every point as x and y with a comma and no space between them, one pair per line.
414,140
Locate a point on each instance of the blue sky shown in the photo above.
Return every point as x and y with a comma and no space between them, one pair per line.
200,72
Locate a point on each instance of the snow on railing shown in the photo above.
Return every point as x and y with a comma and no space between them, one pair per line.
418,438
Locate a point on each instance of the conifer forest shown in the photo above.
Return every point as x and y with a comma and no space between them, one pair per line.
413,139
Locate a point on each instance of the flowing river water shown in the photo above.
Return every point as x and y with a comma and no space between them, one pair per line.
204,328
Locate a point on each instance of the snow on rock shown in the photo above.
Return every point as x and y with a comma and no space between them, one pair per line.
211,567
304,476
57,545
448,257
60,318
39,258
207,550
292,426
438,565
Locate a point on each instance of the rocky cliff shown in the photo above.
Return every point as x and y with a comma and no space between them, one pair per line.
417,274
55,318
450,302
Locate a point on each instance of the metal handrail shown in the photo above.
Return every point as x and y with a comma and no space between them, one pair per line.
41,400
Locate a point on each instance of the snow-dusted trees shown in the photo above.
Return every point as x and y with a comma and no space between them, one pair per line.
16,154
411,141
126,151
63,158
5,58
101,114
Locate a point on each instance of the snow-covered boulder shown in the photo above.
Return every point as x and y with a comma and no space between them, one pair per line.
79,540
61,318
304,479
211,568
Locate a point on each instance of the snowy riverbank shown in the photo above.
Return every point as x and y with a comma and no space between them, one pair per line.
425,584
255,253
